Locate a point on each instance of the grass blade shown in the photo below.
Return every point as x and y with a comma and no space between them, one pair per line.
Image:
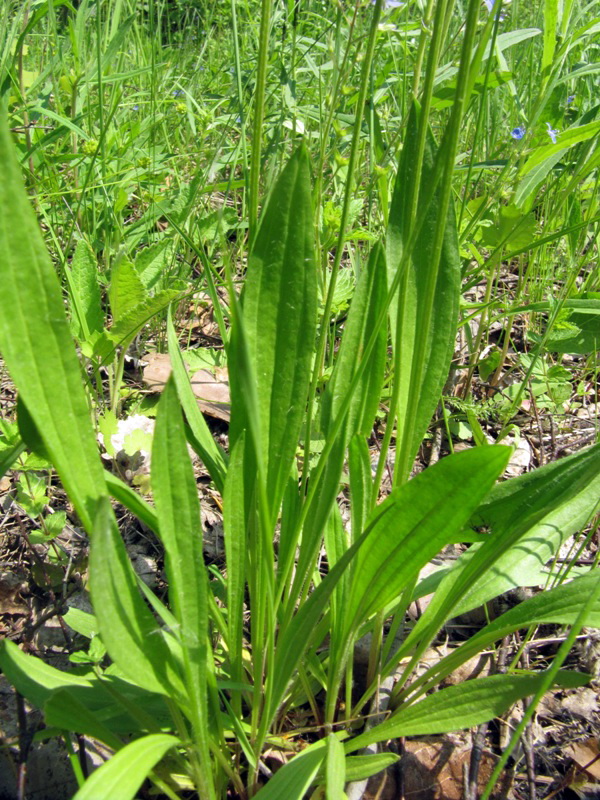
37,346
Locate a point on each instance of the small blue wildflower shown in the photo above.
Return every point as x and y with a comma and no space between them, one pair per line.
552,133
389,3
178,93
518,133
135,108
570,99
489,4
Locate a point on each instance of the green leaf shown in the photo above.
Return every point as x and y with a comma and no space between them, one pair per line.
367,301
132,321
558,606
455,708
511,229
529,517
84,283
415,522
150,262
550,21
586,339
279,305
128,629
36,344
178,511
124,494
9,455
335,769
235,526
65,711
358,768
126,291
293,780
425,315
203,443
565,140
121,776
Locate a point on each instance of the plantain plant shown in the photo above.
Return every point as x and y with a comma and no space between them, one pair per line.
201,685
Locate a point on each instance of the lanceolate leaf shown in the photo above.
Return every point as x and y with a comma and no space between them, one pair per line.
122,776
280,311
458,707
559,606
293,780
208,450
131,635
415,522
424,317
36,344
529,516
178,510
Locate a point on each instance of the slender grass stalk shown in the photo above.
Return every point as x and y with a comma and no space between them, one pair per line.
259,115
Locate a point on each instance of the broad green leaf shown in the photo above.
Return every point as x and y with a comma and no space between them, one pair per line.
293,780
458,707
358,768
128,629
529,517
425,314
36,344
34,679
565,140
132,321
361,482
366,305
279,305
178,511
209,451
65,711
235,527
9,455
84,283
415,522
587,338
126,291
335,769
558,606
511,229
121,776
367,302
150,262
111,697
82,622
532,180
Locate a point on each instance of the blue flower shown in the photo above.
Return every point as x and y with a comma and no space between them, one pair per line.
552,133
570,99
518,133
178,93
389,3
489,4
135,108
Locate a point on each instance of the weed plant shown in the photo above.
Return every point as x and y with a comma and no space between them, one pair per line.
352,184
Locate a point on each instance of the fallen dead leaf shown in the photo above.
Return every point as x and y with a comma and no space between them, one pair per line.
211,388
586,757
433,769
11,601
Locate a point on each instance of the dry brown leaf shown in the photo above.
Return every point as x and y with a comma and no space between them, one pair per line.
11,601
433,769
586,756
211,388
